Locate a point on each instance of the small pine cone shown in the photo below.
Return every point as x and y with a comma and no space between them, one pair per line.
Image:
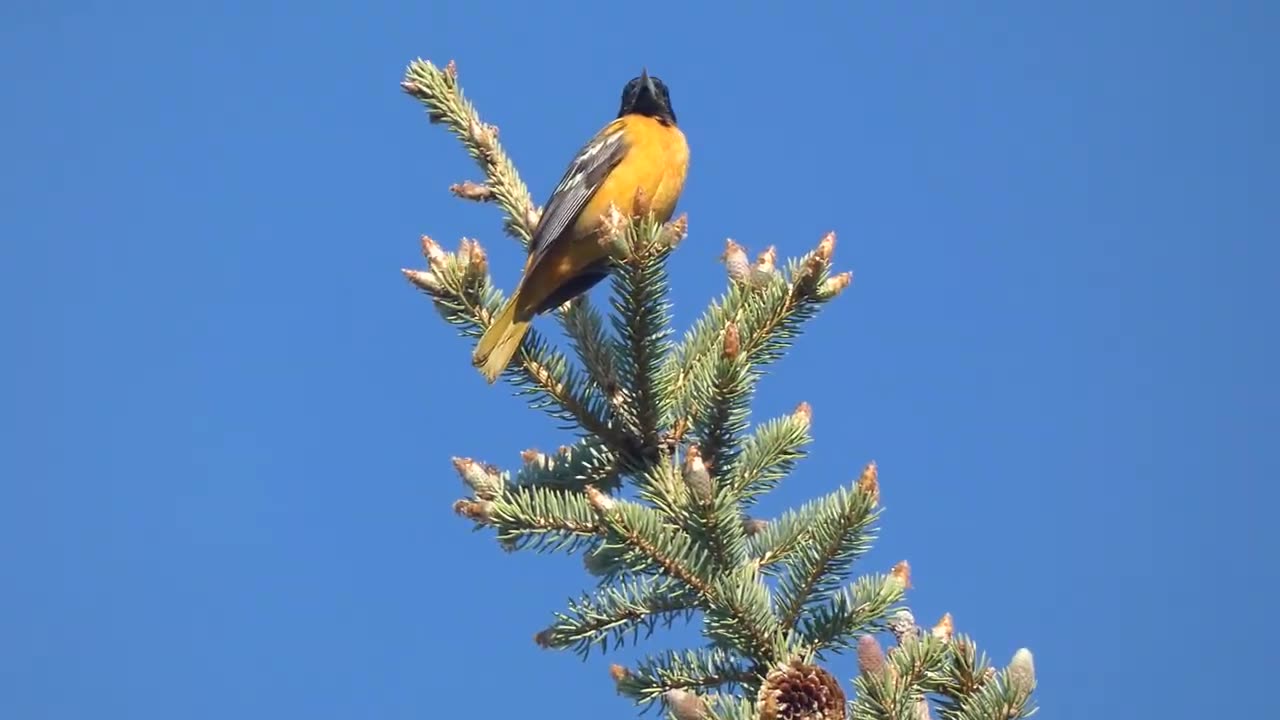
870,655
736,262
797,691
1022,671
697,478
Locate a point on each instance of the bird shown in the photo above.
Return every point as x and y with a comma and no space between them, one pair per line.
642,151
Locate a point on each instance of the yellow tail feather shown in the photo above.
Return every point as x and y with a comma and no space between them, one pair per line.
500,342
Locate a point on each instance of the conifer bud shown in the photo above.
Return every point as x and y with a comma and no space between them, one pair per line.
485,480
826,247
753,526
869,482
435,255
601,502
1022,671
613,236
735,262
945,628
478,510
732,342
901,574
803,413
696,476
835,285
640,202
765,269
473,256
903,625
685,705
674,232
468,190
533,455
870,656
618,672
423,280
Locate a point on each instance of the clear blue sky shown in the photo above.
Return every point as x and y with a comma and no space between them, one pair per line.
227,420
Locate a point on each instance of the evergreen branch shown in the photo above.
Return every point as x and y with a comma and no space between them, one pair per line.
850,612
733,708
585,328
769,311
574,467
769,455
642,543
702,669
722,407
971,689
463,294
642,323
822,556
714,518
615,612
439,91
544,519
896,691
739,616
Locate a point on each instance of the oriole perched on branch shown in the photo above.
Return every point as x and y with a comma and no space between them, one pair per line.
641,150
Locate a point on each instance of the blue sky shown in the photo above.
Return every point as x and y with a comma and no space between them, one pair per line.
224,479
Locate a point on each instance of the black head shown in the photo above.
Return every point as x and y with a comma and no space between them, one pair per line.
647,95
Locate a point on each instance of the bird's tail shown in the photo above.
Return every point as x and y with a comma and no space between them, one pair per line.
500,342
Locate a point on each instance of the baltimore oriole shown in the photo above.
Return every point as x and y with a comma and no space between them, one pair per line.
641,150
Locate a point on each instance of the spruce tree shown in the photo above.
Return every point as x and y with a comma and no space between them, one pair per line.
657,491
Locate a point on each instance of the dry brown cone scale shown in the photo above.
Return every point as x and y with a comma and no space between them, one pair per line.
799,691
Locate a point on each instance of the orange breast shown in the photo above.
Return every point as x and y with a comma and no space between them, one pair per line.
658,162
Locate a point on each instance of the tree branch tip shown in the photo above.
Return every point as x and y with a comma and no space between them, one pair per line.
618,672
803,413
945,628
470,190
901,574
431,250
869,481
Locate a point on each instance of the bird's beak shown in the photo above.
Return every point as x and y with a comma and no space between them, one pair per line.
648,84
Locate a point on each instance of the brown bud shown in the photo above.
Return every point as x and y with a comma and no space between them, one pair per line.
685,705
477,510
901,573
732,342
869,481
601,502
826,247
803,413
543,638
696,476
451,71
613,235
835,285
435,255
735,261
870,656
640,202
532,455
423,280
753,526
903,625
470,252
468,190
945,628
674,232
618,672
485,480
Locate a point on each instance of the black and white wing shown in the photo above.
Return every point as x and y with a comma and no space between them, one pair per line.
580,182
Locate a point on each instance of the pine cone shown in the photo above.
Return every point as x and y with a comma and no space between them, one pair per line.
797,691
